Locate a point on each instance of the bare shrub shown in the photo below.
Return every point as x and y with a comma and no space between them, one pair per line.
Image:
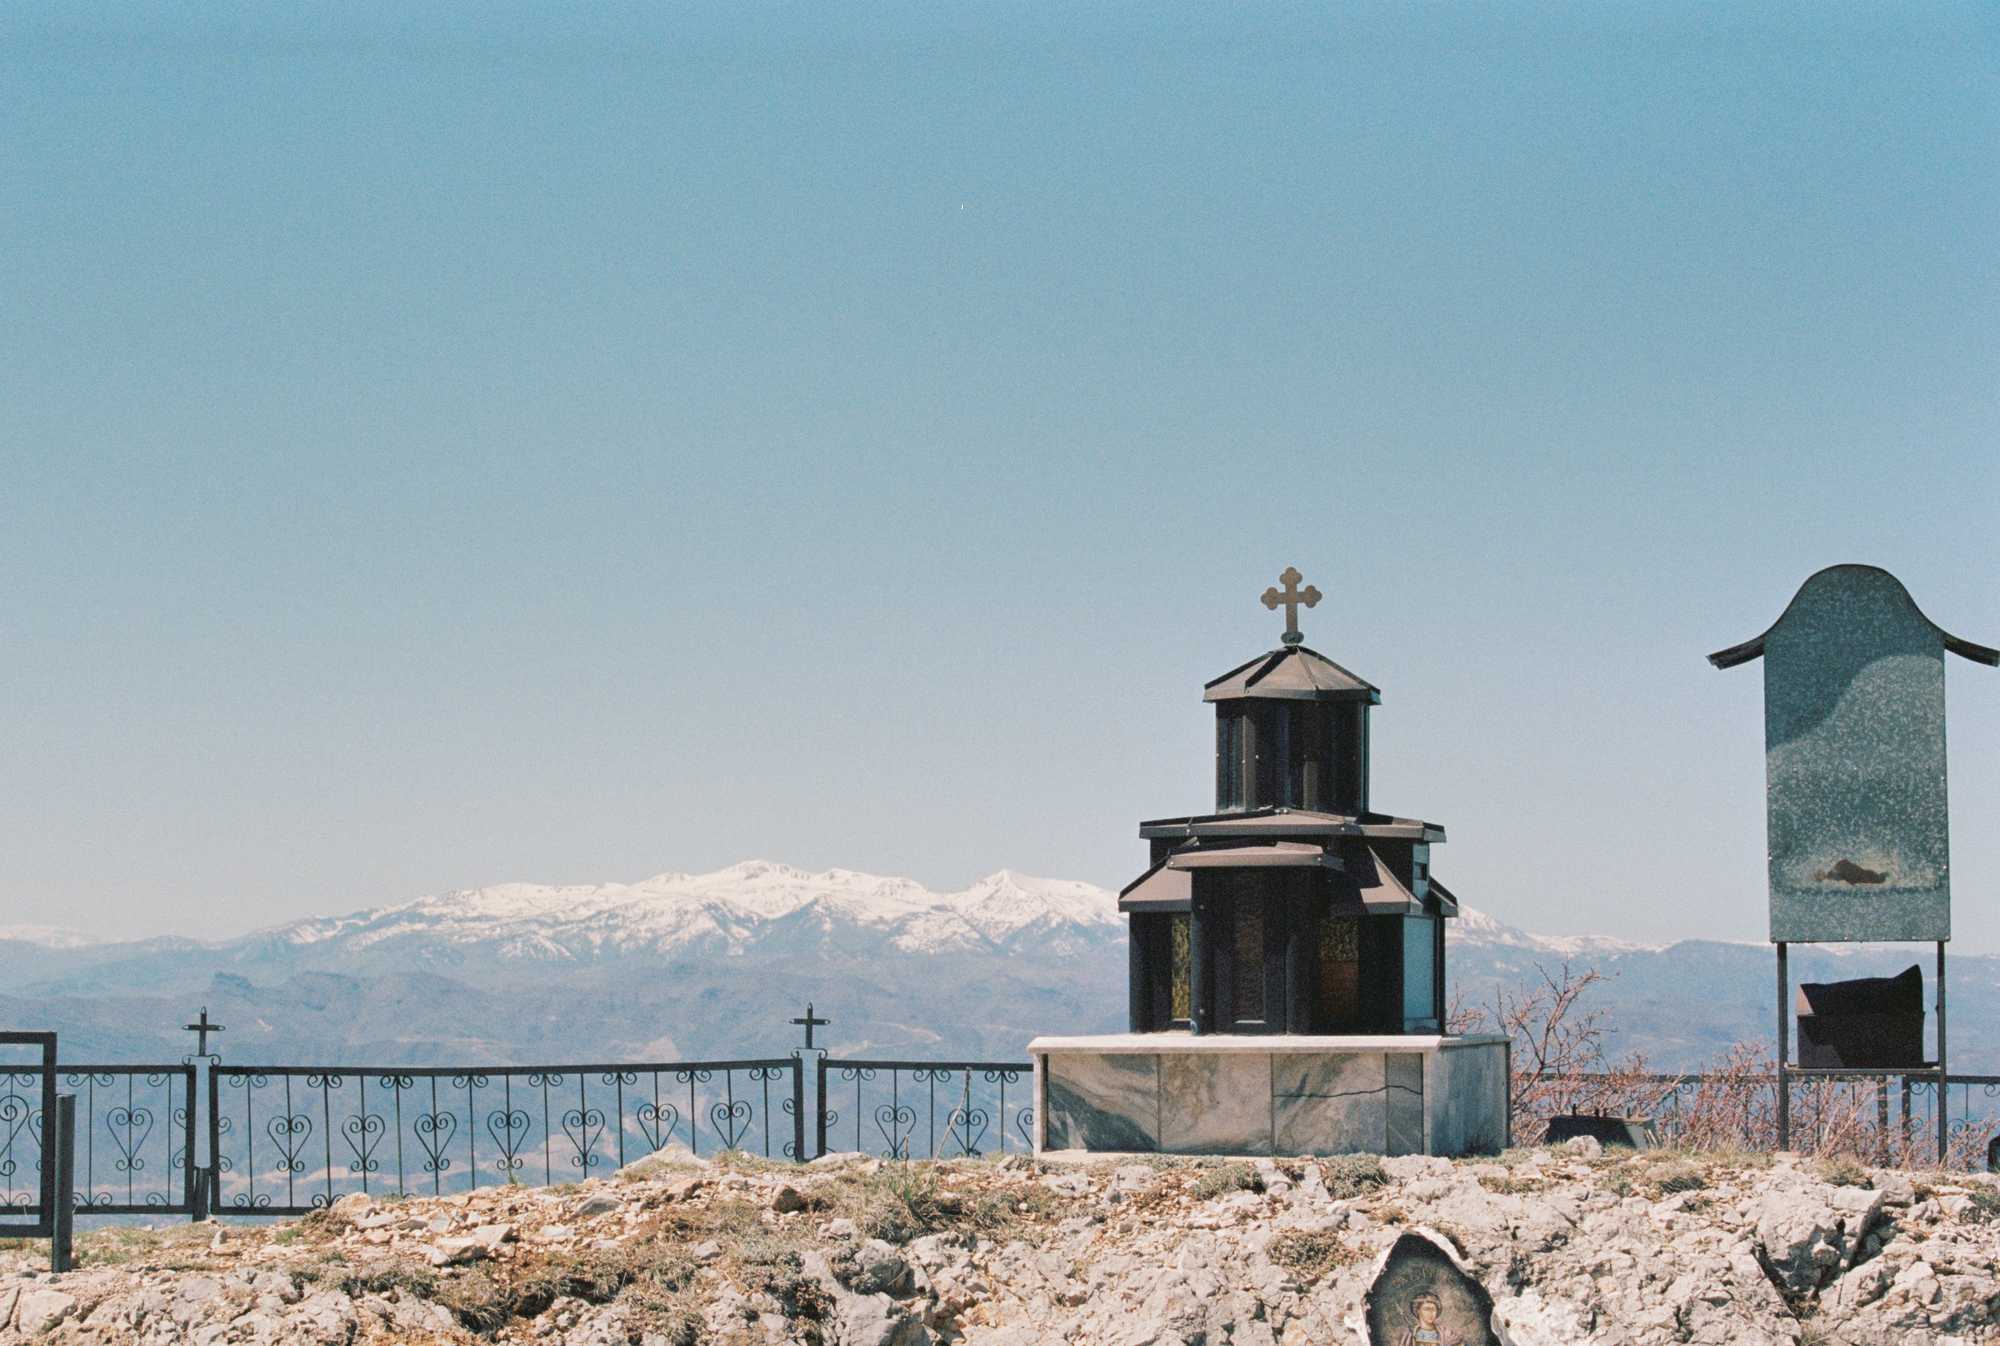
1730,1106
1559,1063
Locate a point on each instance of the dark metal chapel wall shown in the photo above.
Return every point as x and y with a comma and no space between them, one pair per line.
1295,754
1268,953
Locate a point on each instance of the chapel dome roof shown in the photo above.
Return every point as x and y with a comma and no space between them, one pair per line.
1291,673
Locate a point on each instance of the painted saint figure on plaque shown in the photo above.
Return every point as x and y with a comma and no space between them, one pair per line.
1424,1329
1424,1296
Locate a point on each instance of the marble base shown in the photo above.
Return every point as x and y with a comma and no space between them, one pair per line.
1277,1095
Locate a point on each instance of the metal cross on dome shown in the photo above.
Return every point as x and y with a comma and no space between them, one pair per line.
1291,596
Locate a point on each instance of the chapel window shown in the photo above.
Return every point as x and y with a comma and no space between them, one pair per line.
1181,965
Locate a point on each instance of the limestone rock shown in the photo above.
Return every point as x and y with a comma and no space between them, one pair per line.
1131,1179
865,1319
491,1236
1573,1249
1809,1232
40,1308
882,1269
349,1208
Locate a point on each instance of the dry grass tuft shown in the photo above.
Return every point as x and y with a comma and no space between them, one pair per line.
1226,1178
902,1201
1845,1171
1310,1254
1351,1175
377,1276
1677,1176
1512,1184
1655,1174
175,1248
1985,1207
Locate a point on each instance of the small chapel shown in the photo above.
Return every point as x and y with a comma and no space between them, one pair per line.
1287,954
1293,907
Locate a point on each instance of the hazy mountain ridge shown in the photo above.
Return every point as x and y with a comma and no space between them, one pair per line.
697,965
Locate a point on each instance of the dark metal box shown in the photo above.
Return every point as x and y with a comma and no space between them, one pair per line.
1869,1023
1634,1132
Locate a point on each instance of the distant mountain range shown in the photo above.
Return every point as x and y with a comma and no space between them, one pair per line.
686,966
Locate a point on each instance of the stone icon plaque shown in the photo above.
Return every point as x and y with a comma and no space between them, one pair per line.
1855,761
1423,1297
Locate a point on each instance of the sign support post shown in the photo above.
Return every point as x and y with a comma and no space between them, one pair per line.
1784,1053
1944,1070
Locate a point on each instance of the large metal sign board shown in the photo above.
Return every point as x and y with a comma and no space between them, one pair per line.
1854,747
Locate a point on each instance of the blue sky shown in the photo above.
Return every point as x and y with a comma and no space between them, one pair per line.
515,442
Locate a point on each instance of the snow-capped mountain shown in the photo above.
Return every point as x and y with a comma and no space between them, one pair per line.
1475,929
681,966
754,907
45,936
732,911
677,964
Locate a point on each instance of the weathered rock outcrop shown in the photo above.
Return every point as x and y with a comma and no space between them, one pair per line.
1574,1246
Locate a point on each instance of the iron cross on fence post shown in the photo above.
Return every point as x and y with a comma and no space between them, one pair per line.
810,1022
201,1028
1291,596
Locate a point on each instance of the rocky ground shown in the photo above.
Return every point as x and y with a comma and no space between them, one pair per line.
1575,1246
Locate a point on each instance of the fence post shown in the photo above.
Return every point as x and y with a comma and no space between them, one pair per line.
61,1240
191,1151
798,1110
819,1106
1882,1119
211,1196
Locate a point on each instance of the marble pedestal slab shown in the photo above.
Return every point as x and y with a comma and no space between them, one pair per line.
1272,1095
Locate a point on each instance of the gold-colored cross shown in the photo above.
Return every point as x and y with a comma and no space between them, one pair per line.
1291,596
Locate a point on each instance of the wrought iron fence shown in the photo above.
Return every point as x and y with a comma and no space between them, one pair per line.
290,1139
1975,1122
27,1102
135,1138
976,1117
